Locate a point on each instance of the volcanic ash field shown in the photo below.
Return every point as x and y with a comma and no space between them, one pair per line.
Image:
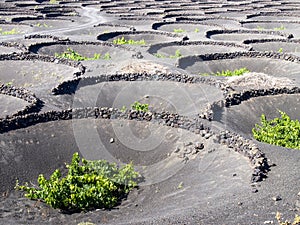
71,71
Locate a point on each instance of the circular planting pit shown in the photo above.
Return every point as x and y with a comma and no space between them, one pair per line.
12,29
28,72
194,30
91,33
253,61
149,37
166,157
107,51
174,97
169,50
282,26
242,35
11,105
46,146
280,46
242,118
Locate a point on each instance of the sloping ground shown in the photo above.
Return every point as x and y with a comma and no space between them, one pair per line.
194,148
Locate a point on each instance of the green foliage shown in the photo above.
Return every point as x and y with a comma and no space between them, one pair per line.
42,25
123,109
53,2
228,73
197,30
280,50
178,31
9,32
175,56
279,28
123,41
280,222
73,55
278,131
87,185
140,107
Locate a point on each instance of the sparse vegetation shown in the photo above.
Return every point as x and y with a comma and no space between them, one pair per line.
228,73
140,107
73,55
280,50
123,41
175,56
179,31
9,32
42,25
282,131
87,185
279,28
197,30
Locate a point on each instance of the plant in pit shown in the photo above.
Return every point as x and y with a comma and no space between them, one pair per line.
280,222
228,73
73,55
42,25
140,107
281,131
123,41
279,28
87,185
9,32
178,31
175,56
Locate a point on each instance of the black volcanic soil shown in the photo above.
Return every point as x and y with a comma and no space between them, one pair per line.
231,179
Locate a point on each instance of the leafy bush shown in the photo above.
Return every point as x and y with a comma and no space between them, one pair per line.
176,55
140,107
9,32
279,131
123,41
73,55
178,31
87,185
228,73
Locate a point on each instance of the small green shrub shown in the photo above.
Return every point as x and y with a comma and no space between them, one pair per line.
140,107
179,31
279,28
228,73
123,41
87,185
9,32
175,56
278,131
280,50
73,55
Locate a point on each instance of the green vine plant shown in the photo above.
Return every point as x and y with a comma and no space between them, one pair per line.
175,56
73,55
123,41
228,73
279,28
9,32
137,106
281,131
88,184
179,31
